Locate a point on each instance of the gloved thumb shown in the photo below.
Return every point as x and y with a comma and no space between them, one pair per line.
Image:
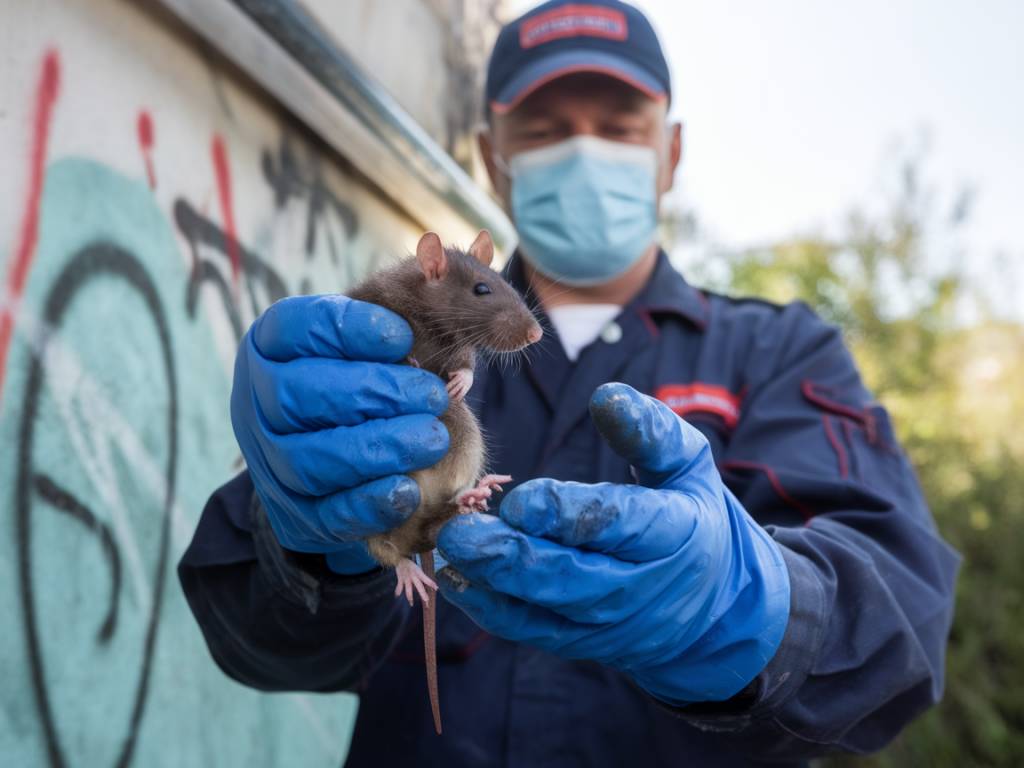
648,434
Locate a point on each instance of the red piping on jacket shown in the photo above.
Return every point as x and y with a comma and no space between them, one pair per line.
844,467
803,509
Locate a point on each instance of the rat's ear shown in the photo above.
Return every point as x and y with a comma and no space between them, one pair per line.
482,248
430,254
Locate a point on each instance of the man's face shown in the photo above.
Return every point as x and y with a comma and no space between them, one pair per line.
584,104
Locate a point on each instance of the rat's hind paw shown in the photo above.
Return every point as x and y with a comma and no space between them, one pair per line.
410,577
475,499
459,383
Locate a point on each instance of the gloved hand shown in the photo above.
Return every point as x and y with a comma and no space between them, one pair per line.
327,423
669,581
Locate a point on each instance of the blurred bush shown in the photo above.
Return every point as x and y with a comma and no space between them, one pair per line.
951,374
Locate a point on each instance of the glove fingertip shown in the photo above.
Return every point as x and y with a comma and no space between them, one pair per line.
434,439
400,498
532,507
467,538
436,394
612,392
448,538
373,332
618,412
643,430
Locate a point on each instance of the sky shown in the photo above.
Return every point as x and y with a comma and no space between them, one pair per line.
794,112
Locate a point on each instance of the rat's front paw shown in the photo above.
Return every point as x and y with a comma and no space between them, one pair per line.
475,499
459,383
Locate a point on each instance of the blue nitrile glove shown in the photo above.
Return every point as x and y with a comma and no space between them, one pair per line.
328,423
669,581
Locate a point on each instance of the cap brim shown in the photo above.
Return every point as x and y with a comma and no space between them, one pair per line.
558,65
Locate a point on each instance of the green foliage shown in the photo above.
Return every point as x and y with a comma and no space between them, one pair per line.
955,396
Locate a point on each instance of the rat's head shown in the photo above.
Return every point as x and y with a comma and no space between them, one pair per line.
471,301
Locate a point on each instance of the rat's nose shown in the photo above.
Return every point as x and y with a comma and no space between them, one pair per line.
534,333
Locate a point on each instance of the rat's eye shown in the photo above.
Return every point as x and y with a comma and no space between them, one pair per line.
481,289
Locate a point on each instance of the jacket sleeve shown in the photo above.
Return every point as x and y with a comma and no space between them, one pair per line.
815,460
277,620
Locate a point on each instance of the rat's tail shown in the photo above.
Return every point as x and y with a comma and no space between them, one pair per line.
430,640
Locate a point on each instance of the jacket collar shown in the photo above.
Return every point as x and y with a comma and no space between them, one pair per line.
666,292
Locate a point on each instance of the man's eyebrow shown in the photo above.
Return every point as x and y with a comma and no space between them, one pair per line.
631,101
526,119
532,112
626,112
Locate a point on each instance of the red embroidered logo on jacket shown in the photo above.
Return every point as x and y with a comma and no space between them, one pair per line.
573,21
689,398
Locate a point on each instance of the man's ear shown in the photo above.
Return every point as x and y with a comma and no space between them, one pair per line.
482,248
675,154
431,257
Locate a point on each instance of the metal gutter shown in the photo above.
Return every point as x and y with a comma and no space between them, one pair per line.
286,51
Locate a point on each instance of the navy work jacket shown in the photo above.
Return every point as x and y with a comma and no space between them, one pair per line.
796,437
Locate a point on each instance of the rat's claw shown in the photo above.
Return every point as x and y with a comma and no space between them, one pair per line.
494,482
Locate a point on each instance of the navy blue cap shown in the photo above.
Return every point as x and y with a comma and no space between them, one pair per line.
560,38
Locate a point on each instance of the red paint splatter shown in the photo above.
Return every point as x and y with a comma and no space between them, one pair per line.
144,126
223,174
46,97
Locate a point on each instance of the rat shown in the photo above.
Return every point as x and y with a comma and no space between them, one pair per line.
457,307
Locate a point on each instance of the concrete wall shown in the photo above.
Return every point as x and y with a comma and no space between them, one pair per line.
452,38
154,203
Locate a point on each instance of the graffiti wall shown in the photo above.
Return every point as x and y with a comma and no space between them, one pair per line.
153,204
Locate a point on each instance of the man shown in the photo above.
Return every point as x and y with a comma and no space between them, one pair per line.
760,582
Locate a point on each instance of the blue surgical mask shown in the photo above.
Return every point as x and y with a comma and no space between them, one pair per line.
585,208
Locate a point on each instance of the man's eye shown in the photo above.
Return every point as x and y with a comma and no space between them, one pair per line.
481,289
623,131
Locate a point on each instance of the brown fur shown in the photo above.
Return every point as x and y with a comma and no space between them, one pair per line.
437,293
461,467
446,333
